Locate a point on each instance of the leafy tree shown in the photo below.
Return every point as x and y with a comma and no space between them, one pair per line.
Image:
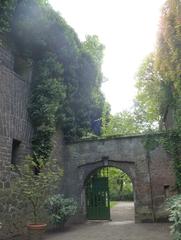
94,48
147,101
120,185
168,54
85,98
123,123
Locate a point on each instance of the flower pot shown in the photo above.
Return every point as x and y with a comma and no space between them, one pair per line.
36,231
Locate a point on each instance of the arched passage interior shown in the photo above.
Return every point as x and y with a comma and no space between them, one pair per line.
96,188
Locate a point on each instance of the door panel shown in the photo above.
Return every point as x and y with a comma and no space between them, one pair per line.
97,199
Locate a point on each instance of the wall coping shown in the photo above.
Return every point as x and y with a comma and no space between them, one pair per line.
113,137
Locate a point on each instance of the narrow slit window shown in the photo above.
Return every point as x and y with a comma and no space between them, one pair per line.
15,151
166,190
22,67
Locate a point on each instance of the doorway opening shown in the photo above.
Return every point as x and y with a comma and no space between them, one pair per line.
109,195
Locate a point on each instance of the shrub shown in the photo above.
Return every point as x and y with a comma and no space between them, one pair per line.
174,207
24,200
60,209
35,188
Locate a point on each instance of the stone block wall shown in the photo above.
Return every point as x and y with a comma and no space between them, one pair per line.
151,172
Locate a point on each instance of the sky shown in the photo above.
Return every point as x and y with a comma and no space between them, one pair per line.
127,28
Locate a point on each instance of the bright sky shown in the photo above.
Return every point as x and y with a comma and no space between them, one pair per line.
128,30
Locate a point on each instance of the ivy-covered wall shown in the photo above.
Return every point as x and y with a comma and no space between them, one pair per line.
15,128
66,77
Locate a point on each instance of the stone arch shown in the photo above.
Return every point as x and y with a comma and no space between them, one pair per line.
86,170
149,171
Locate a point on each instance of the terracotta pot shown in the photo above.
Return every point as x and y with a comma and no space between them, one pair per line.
36,231
37,226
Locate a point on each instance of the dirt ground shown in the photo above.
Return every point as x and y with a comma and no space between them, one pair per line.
122,227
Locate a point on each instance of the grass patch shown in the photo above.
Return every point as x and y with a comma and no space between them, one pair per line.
113,204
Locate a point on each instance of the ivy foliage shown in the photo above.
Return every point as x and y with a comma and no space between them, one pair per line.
168,55
66,72
7,8
48,95
174,207
172,143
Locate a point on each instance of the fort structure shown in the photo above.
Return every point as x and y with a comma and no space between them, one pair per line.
15,127
151,171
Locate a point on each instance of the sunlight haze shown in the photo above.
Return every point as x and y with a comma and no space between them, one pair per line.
127,29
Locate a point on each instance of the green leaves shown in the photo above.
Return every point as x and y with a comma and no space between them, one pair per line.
7,8
120,185
66,73
35,188
174,207
147,102
60,208
47,97
123,123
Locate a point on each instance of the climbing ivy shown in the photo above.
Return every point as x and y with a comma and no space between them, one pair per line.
151,141
66,73
47,97
7,9
172,143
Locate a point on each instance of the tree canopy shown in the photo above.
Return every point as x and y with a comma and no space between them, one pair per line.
158,82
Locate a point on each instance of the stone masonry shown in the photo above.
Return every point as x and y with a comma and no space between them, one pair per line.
151,173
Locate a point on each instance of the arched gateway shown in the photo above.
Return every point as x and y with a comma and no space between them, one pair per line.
151,172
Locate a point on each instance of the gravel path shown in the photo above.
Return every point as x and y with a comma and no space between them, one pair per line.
122,227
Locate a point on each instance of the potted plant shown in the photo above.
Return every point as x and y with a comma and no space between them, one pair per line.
60,209
36,188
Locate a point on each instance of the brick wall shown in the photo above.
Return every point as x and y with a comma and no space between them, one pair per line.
14,122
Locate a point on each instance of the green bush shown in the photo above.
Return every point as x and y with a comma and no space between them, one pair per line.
174,207
60,209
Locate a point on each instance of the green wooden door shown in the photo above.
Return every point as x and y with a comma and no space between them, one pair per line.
97,199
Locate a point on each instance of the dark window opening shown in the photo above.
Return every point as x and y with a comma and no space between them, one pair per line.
22,67
15,150
166,190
